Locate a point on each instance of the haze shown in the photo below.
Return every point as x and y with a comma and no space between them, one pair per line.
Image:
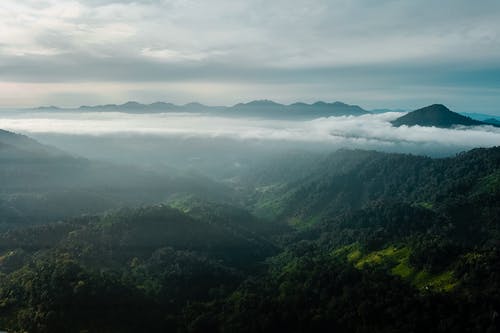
192,139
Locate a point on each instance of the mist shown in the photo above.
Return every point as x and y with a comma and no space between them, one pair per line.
184,139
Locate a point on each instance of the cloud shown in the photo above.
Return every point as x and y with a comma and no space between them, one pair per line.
366,132
281,33
390,45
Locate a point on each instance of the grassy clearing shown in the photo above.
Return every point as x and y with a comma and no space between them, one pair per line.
444,281
351,252
396,261
426,205
390,255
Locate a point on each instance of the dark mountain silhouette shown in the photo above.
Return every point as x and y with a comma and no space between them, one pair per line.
270,109
258,103
135,107
257,108
492,121
40,183
436,115
21,145
479,116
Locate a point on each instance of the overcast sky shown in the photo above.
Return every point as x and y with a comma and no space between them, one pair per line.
375,53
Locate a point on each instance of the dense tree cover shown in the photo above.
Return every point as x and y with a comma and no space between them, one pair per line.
374,243
348,180
143,265
40,184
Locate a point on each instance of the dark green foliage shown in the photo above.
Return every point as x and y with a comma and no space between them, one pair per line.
41,184
398,243
349,180
433,253
143,265
492,121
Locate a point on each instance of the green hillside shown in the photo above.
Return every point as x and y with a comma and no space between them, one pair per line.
356,241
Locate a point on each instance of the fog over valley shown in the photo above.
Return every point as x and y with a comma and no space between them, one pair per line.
170,136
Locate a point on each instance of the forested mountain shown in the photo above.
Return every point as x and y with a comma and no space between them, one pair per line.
436,115
348,180
128,205
17,146
492,121
41,183
356,241
143,264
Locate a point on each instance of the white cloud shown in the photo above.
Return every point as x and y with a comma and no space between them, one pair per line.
367,132
278,33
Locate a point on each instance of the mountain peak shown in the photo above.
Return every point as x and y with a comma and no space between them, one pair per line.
131,104
337,103
157,105
435,108
194,105
435,115
48,107
262,102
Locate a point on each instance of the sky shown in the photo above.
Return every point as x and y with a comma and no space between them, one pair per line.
374,53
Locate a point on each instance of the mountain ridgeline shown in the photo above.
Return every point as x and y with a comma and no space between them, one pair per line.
437,115
265,108
258,108
41,184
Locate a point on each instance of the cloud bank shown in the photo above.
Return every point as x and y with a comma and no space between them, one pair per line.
372,131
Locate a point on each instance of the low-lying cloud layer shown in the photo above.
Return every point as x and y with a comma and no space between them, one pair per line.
367,132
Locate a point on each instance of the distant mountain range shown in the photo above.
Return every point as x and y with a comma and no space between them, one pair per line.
480,116
266,108
492,121
437,115
258,108
135,107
